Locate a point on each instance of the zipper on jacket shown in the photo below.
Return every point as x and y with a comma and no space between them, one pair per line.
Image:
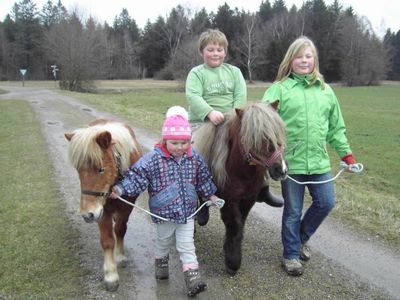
294,147
307,137
183,192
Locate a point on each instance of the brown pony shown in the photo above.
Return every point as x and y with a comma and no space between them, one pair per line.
101,153
239,153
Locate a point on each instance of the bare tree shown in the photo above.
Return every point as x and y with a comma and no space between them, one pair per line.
189,57
78,51
363,61
174,30
248,44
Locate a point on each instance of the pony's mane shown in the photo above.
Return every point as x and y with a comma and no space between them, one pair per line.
84,150
261,123
203,138
260,126
220,150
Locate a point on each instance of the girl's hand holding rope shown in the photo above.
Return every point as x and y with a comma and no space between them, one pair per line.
214,200
352,168
115,193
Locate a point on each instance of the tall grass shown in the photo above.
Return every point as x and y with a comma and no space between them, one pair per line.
368,201
37,244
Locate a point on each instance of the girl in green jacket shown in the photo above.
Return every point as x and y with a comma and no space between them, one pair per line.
312,115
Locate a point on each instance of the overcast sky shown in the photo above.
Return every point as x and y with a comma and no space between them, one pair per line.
382,14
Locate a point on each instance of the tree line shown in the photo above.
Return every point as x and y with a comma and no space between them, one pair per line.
52,43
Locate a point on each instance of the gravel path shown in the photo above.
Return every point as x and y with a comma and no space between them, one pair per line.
345,265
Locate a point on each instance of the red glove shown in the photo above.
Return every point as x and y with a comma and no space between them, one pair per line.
349,159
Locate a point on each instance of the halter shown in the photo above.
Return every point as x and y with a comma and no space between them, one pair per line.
117,157
253,159
96,194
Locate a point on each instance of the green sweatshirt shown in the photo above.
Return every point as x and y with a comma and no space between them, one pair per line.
313,118
222,89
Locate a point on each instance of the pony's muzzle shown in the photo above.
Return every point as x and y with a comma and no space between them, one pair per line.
278,171
90,217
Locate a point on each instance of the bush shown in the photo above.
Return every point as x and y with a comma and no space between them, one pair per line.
165,74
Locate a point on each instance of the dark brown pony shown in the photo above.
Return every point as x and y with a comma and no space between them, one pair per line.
239,153
100,153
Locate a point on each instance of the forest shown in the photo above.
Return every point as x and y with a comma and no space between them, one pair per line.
51,43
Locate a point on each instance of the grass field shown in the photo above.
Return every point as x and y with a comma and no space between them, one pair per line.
368,201
35,262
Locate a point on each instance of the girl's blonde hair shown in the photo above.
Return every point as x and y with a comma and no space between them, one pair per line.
212,36
296,48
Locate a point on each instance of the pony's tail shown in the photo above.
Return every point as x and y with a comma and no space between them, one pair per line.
203,139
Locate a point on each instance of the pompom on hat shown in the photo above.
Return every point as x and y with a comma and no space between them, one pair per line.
176,125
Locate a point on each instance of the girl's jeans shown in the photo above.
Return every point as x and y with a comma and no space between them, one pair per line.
295,229
167,232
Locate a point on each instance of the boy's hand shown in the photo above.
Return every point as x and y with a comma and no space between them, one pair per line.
216,117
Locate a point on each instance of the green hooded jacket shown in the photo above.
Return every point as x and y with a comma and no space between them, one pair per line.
313,118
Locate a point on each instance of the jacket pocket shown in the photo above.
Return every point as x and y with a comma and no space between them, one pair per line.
322,144
293,147
165,197
192,194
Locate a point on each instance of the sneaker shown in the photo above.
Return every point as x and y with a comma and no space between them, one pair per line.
305,252
194,285
292,266
161,264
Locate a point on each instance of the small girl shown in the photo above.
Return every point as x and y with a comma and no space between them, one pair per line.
174,175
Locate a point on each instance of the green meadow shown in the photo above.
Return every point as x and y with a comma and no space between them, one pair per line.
368,201
37,243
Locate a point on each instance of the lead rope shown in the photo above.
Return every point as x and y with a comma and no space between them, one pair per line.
219,203
355,168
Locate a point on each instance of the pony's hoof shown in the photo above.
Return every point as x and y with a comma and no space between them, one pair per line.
123,263
111,286
231,272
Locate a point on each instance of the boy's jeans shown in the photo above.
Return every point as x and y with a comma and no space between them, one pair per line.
295,229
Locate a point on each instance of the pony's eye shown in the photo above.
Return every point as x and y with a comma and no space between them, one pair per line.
101,170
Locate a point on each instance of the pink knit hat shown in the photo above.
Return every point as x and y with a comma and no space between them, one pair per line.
176,125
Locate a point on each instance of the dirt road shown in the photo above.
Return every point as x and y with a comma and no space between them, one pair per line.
344,265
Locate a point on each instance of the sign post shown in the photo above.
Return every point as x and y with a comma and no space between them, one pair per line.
55,69
23,72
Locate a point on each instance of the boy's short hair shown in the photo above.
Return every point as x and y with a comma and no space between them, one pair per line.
212,36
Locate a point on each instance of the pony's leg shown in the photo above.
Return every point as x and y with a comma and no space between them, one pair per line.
120,227
245,207
231,216
111,278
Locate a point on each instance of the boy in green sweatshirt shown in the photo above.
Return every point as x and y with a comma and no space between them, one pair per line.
212,89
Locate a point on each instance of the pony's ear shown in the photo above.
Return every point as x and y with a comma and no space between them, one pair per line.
239,112
275,104
104,139
68,135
